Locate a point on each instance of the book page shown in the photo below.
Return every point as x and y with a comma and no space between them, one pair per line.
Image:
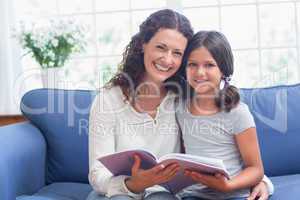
192,158
196,163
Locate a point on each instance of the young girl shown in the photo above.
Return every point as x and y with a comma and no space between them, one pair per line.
215,123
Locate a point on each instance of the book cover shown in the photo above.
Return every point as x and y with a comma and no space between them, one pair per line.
121,163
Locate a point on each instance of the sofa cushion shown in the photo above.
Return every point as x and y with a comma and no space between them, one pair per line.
61,191
276,112
286,187
62,117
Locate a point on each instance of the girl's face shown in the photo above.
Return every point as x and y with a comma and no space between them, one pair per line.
163,54
203,73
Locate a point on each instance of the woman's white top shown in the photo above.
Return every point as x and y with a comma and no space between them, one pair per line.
114,125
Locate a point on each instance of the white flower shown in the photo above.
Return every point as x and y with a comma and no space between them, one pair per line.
51,55
54,42
42,40
51,64
70,40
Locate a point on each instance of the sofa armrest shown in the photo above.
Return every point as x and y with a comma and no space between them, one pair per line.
22,160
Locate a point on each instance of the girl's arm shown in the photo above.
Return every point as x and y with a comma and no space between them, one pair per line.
250,176
249,149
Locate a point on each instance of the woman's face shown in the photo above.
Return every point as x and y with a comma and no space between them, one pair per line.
203,73
163,55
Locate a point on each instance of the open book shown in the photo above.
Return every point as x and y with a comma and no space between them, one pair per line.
121,163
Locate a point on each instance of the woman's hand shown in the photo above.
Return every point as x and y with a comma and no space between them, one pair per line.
221,183
260,192
218,182
141,179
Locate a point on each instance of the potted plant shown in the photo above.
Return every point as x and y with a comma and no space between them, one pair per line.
51,45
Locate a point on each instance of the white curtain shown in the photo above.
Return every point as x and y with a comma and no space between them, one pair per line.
10,61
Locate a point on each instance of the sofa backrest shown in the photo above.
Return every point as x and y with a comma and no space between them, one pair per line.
62,117
276,111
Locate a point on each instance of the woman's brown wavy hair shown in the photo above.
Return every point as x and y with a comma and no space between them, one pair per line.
132,69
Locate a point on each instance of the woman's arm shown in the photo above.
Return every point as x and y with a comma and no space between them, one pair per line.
269,185
142,179
102,124
262,191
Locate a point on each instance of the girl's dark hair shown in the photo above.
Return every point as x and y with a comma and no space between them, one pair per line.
219,47
132,69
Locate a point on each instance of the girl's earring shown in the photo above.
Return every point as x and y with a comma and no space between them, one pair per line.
222,84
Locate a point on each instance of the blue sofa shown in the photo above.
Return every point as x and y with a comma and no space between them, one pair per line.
46,158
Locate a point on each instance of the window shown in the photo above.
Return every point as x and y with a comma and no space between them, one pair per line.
264,35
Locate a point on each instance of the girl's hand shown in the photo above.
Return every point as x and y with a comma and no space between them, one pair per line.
141,179
260,192
218,182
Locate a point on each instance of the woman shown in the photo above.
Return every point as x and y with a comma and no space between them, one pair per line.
136,110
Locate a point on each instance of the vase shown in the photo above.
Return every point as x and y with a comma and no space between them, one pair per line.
52,77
